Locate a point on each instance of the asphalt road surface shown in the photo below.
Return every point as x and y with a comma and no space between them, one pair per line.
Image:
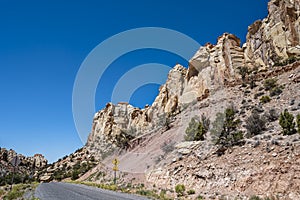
66,191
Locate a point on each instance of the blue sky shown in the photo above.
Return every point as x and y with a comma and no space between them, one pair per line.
43,43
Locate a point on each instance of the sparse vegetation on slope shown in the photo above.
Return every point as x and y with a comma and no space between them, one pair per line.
197,129
286,121
180,189
225,128
255,124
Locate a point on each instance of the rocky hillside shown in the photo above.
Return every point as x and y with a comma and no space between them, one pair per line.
28,167
241,89
270,42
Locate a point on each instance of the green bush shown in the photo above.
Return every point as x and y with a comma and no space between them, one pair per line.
197,129
200,197
276,91
75,175
2,192
289,60
191,191
255,124
286,121
14,194
5,156
270,84
162,194
225,127
17,192
265,99
298,122
244,71
180,189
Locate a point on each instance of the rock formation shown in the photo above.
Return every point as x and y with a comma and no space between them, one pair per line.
276,37
212,80
27,166
269,42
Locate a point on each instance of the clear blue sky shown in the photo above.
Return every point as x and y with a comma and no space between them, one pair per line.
43,43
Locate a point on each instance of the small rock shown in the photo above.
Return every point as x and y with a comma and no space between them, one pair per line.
294,108
274,154
185,151
265,162
292,102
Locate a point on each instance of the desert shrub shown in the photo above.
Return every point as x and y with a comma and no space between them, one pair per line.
180,189
255,124
191,191
167,147
17,192
298,122
75,175
199,197
14,194
5,156
79,150
76,166
149,193
162,194
286,121
258,95
197,129
224,128
254,197
272,115
217,126
265,99
252,84
287,61
2,192
18,178
270,84
165,120
244,71
276,91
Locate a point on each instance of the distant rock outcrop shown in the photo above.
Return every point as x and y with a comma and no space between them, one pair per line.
28,165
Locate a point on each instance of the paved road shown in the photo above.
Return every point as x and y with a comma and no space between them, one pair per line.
66,191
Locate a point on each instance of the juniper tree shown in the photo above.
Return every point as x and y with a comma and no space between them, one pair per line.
286,121
225,128
195,131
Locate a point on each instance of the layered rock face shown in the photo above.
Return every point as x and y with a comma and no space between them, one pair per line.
276,37
270,41
213,66
116,124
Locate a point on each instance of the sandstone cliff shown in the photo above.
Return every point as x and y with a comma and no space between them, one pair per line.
149,140
269,42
